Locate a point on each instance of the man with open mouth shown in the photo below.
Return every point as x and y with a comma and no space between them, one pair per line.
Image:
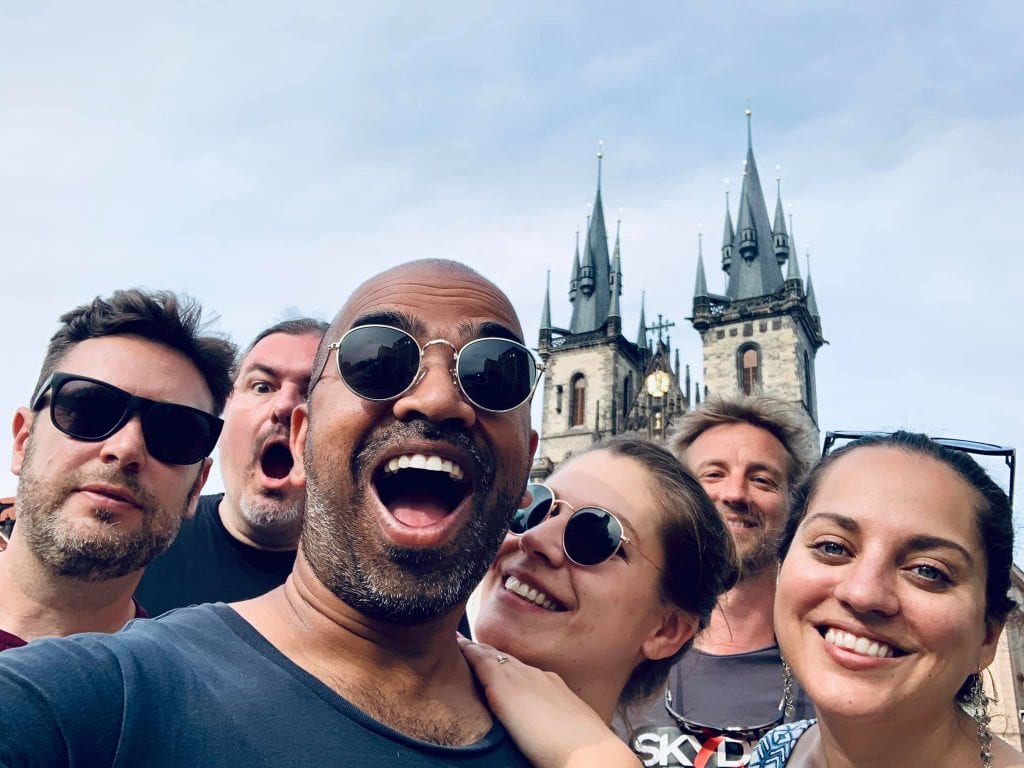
111,453
241,543
414,447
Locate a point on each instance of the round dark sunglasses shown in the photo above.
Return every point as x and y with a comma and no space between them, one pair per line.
380,362
92,410
591,536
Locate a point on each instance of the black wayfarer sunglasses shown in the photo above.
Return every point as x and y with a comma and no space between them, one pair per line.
380,362
592,535
1009,455
92,410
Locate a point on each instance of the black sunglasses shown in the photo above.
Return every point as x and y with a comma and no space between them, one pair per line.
747,733
380,362
966,446
91,410
591,536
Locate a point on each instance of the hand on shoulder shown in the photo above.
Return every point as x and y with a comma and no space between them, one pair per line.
550,724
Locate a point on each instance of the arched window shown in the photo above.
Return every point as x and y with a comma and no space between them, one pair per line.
749,360
578,401
627,394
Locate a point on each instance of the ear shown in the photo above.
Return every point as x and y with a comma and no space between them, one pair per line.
21,428
297,444
987,653
534,442
675,628
197,486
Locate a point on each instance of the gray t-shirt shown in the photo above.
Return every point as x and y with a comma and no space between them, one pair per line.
198,687
710,693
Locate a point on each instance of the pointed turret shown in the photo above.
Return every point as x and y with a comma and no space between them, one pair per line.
746,230
793,272
641,336
812,304
779,233
758,273
545,315
727,237
700,289
687,390
574,278
615,288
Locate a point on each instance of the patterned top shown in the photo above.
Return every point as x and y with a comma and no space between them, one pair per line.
774,749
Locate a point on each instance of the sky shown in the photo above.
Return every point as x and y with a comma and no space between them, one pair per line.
266,159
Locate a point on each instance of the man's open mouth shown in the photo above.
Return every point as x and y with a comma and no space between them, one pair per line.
421,489
276,461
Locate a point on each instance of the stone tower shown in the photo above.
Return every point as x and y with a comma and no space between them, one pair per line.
763,334
598,382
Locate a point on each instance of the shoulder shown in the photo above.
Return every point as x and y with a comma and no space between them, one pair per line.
777,745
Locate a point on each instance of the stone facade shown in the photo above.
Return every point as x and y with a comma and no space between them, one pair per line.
786,355
611,374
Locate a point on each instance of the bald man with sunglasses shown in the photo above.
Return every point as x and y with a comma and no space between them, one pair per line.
111,453
414,447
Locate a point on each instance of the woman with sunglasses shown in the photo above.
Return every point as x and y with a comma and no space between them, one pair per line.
891,597
583,587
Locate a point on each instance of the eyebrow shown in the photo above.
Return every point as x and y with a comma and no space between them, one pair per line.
914,544
489,329
394,318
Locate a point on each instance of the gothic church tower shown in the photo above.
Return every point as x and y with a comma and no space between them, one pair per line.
595,377
764,333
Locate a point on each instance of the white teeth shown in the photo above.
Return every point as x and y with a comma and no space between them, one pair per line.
512,584
432,463
857,644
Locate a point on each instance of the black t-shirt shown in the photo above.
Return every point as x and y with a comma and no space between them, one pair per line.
198,687
742,690
206,564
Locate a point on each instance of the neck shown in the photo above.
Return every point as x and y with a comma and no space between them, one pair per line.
35,602
742,620
923,739
272,539
412,677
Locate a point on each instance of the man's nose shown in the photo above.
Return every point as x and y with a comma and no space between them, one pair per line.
435,394
285,400
126,447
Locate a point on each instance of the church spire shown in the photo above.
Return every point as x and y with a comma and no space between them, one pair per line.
793,272
812,304
779,233
593,301
641,337
701,286
545,315
727,235
615,282
758,273
574,278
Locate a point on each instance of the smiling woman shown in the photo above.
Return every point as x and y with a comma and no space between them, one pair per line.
891,598
584,589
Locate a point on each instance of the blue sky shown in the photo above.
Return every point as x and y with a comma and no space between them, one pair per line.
267,159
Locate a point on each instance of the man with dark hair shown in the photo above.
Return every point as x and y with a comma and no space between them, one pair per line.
748,453
241,543
414,447
111,454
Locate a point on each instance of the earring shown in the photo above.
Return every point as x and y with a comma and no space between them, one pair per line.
977,707
788,693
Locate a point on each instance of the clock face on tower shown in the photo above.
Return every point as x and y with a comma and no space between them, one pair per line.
658,383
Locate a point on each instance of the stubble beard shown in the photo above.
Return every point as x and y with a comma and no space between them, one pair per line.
269,513
96,556
347,552
761,554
